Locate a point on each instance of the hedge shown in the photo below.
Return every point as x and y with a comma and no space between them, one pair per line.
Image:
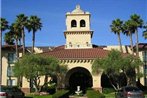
61,94
94,94
108,90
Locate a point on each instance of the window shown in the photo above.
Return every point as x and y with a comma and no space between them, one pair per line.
70,44
145,56
73,23
11,57
10,72
87,43
82,23
11,82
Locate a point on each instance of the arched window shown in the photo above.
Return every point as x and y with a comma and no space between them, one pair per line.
73,23
82,23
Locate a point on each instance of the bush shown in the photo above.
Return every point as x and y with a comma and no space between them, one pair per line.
49,89
108,90
61,94
94,94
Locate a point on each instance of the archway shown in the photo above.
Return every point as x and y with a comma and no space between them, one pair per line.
78,76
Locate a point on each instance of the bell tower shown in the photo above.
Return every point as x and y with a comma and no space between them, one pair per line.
78,34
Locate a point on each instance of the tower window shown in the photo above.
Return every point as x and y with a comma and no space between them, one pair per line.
82,23
87,43
73,23
70,44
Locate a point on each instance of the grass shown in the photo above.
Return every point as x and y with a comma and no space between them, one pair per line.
111,95
45,96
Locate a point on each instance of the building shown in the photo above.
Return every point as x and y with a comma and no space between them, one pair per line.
78,53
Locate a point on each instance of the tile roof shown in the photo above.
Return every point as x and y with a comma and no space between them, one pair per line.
90,53
142,45
11,47
43,48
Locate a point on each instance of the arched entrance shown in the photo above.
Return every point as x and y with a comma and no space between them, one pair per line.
78,76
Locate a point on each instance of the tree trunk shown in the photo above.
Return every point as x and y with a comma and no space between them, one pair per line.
36,85
17,54
137,41
131,42
120,44
137,51
111,82
23,40
46,80
33,41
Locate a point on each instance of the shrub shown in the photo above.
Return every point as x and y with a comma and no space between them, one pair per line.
61,94
50,89
108,90
94,94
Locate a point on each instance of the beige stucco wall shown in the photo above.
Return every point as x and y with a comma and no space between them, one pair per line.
37,50
141,68
5,65
78,39
26,83
86,65
126,49
4,70
78,18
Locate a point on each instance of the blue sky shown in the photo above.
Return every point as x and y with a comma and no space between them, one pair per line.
52,14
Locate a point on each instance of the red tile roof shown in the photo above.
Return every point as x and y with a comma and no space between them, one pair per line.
142,45
11,47
91,53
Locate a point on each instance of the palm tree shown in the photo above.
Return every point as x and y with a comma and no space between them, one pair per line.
138,22
145,31
128,29
22,22
3,26
116,27
16,29
34,23
8,38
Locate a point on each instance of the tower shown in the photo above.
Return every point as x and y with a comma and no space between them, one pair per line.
78,34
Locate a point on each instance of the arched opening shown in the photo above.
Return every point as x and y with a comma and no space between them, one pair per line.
73,23
78,77
82,23
105,82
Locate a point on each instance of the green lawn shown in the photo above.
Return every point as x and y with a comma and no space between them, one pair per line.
112,95
47,96
50,96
